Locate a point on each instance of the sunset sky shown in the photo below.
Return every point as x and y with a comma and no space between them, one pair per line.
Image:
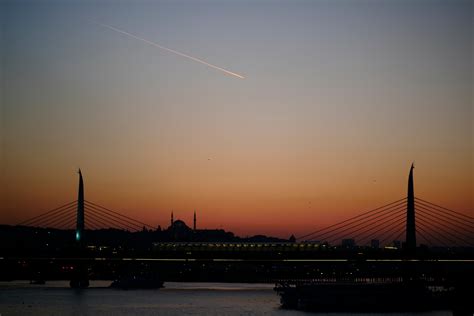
339,98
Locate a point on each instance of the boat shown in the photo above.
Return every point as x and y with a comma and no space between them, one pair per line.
37,279
137,282
38,282
372,297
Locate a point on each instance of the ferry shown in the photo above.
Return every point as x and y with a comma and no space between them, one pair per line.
374,297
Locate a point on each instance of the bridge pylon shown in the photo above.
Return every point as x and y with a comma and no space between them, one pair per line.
80,210
80,277
410,241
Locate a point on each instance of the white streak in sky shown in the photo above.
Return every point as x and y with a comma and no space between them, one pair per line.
173,51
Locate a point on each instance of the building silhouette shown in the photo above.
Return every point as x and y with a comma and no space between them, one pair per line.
180,231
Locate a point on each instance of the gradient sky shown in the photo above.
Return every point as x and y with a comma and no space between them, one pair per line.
339,98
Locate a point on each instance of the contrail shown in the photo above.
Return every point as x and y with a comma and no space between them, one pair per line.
173,51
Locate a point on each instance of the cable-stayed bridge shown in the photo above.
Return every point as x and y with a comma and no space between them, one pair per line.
436,226
389,225
409,238
95,217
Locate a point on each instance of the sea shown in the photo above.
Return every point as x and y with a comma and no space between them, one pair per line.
56,298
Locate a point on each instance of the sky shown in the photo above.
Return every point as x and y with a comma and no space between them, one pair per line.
339,98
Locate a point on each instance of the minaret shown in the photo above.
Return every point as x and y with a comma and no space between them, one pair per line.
80,210
411,228
194,224
172,219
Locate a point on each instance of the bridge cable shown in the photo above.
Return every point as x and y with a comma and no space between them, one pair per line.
103,216
61,220
443,214
144,224
122,218
441,224
383,241
103,222
51,222
399,235
418,232
109,220
47,214
400,215
350,219
455,241
113,217
447,209
359,222
370,223
401,219
389,234
113,223
48,221
421,228
435,218
105,225
88,224
91,226
446,241
68,225
366,239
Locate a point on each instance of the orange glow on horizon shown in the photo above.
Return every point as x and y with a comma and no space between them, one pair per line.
296,206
